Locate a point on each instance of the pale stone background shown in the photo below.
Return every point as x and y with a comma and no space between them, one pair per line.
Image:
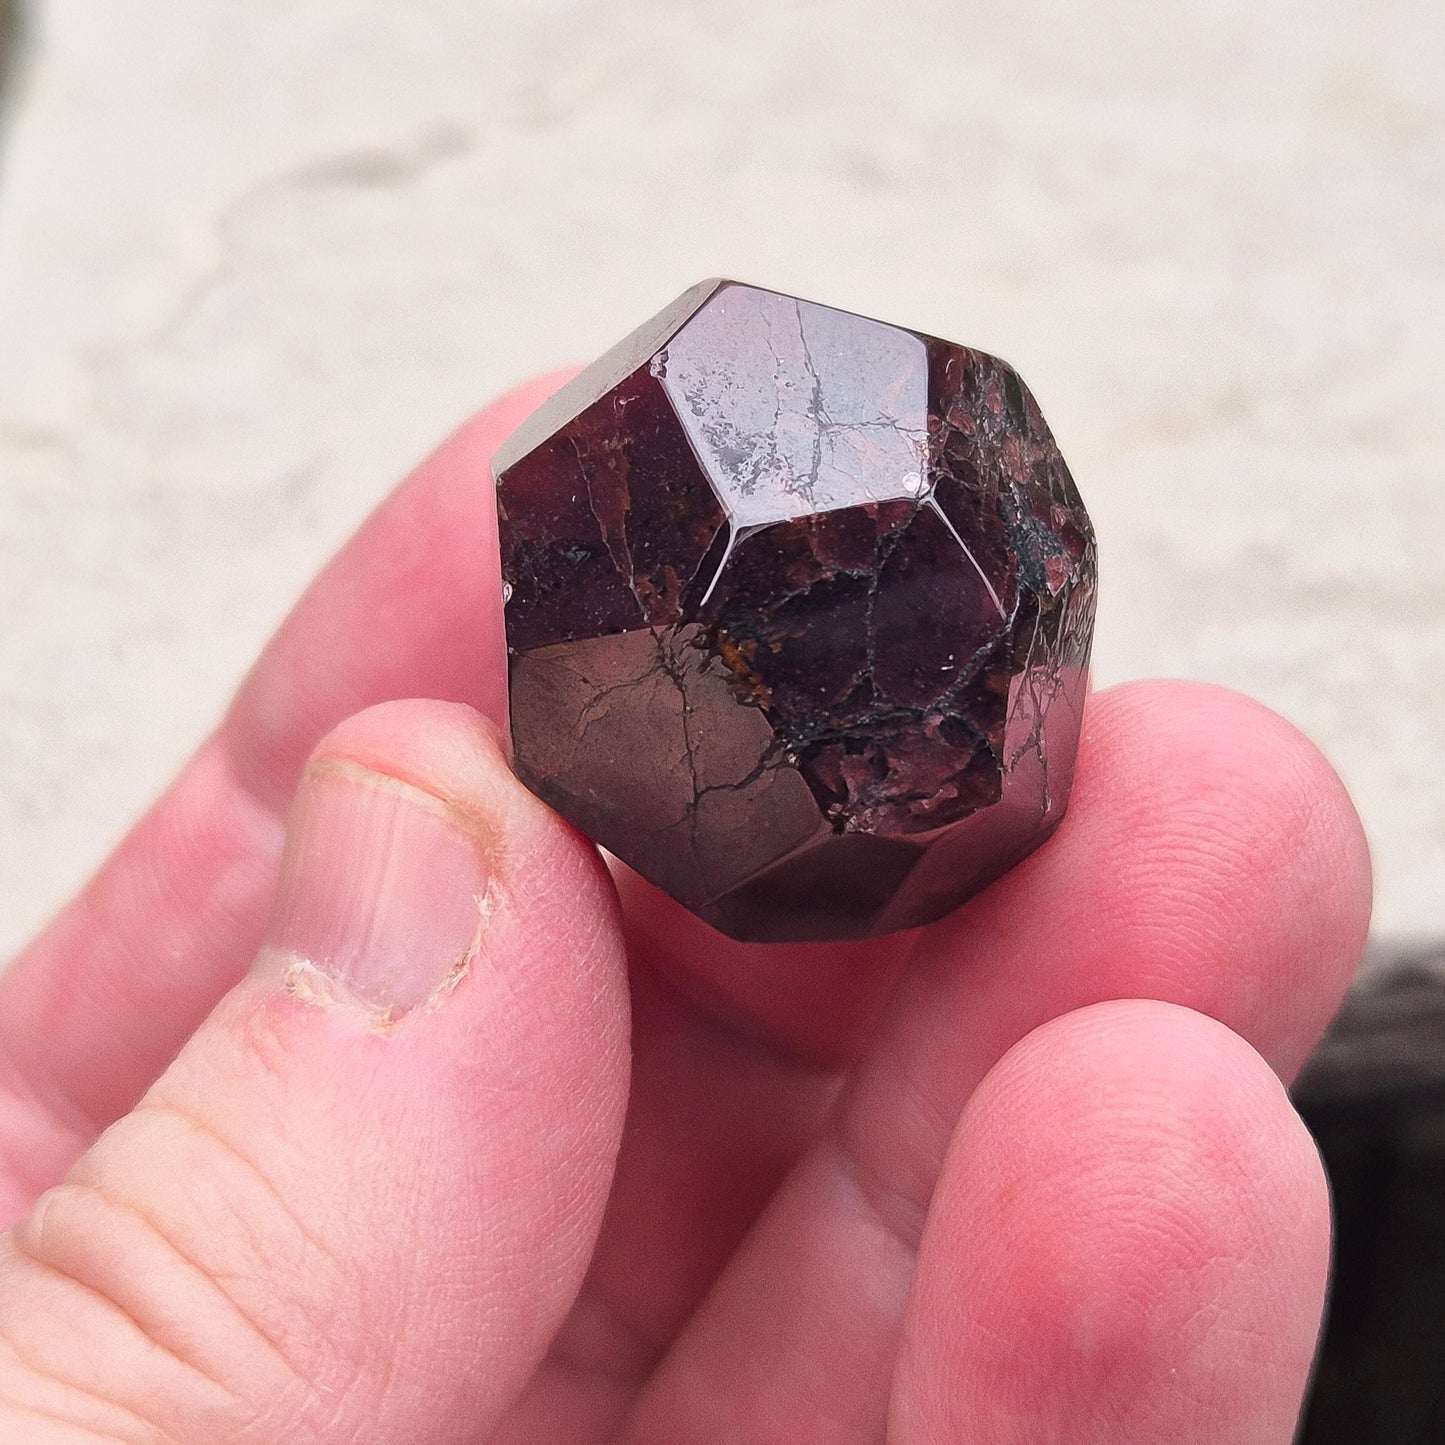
256,256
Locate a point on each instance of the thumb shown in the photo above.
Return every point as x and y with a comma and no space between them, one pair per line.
361,1200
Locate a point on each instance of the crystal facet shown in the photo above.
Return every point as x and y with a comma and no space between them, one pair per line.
798,612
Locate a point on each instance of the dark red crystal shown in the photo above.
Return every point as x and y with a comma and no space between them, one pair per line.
798,612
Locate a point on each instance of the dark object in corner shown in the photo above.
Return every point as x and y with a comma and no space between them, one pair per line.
1374,1097
10,36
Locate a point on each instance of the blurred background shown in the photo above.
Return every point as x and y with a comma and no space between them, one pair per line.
258,256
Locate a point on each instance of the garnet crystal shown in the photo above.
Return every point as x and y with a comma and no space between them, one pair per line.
798,614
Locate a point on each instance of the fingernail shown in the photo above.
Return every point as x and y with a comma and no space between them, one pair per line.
382,895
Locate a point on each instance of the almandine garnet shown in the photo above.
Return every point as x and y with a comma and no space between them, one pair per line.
798,611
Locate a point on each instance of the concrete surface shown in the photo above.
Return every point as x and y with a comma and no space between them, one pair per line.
256,256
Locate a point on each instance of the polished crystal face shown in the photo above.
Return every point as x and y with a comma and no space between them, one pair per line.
782,404
798,613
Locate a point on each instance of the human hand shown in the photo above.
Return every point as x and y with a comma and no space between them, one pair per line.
386,1170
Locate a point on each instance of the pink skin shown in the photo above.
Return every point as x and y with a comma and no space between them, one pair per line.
379,1183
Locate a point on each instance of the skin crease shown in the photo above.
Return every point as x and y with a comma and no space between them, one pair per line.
1027,1175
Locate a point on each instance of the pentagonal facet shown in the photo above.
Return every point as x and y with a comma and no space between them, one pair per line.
799,608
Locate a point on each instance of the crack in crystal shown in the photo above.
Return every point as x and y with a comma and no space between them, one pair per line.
619,550
815,405
778,384
596,709
1028,676
670,668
